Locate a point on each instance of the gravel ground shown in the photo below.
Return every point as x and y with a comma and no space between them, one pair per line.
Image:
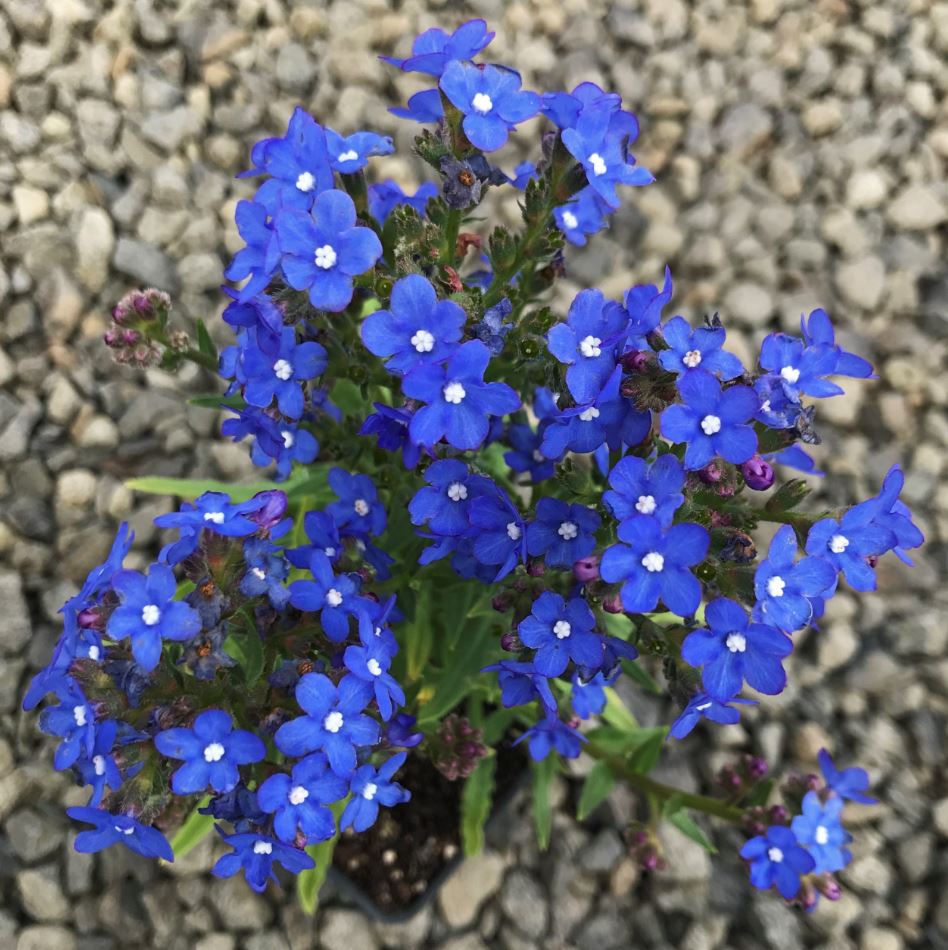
801,149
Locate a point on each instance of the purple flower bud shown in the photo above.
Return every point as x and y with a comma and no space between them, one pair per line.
612,604
536,568
758,473
271,513
778,815
112,338
756,766
829,888
587,569
636,361
510,642
130,337
500,603
711,474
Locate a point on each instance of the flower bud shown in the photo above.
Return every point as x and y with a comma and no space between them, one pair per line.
511,642
586,569
536,568
758,473
711,474
612,604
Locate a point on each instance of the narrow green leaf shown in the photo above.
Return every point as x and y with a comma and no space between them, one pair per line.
476,799
205,343
676,815
419,634
599,783
190,488
246,648
646,754
616,713
640,675
497,723
215,401
309,882
761,793
193,831
543,773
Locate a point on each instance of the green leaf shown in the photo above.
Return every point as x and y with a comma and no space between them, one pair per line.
476,799
348,397
616,713
190,488
599,783
543,773
246,648
646,754
309,882
195,829
419,634
217,401
760,794
675,814
788,495
498,722
205,343
640,675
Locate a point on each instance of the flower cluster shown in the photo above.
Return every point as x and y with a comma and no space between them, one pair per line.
559,499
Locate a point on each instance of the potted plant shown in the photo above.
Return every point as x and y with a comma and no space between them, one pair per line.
483,510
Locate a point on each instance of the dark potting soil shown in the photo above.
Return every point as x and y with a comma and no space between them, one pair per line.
395,861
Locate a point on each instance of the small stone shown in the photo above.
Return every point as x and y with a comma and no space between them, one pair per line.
524,904
750,304
238,905
821,118
861,281
41,895
43,937
145,263
345,930
917,208
866,188
216,941
32,835
75,489
17,133
32,204
169,129
15,626
294,67
469,887
200,272
808,738
606,931
745,127
98,123
837,646
100,432
940,815
95,241
881,938
602,853
869,874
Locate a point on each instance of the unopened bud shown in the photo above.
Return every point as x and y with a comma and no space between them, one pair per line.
758,473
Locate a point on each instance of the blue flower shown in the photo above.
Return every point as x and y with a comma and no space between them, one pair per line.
818,331
711,421
324,250
777,409
333,722
424,107
848,542
211,750
609,419
111,829
895,516
418,330
598,142
561,631
385,196
267,569
588,696
298,800
72,720
256,854
524,173
298,162
847,783
323,533
644,304
277,367
642,489
491,100
401,732
703,706
372,787
260,257
493,327
239,806
443,504
653,565
348,154
550,734
784,589
370,662
149,614
584,215
99,769
734,651
794,457
776,858
801,368
521,683
526,455
259,312
564,108
587,343
390,426
690,349
459,402
358,509
819,829
562,533
434,49
499,532
334,598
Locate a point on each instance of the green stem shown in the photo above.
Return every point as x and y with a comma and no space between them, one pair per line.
642,783
202,359
449,239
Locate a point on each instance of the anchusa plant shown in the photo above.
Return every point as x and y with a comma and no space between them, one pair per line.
486,507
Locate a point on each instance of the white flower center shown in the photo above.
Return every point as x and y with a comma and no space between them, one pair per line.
374,667
457,491
701,707
368,793
590,346
329,552
79,714
598,164
94,652
298,795
325,256
710,425
838,543
283,369
454,393
151,614
213,752
765,406
821,835
214,517
653,562
289,440
262,847
775,586
333,721
736,642
124,831
587,415
306,181
692,358
349,156
423,341
562,629
567,530
361,507
482,103
570,220
259,573
98,763
513,531
333,597
538,456
646,505
775,855
790,373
